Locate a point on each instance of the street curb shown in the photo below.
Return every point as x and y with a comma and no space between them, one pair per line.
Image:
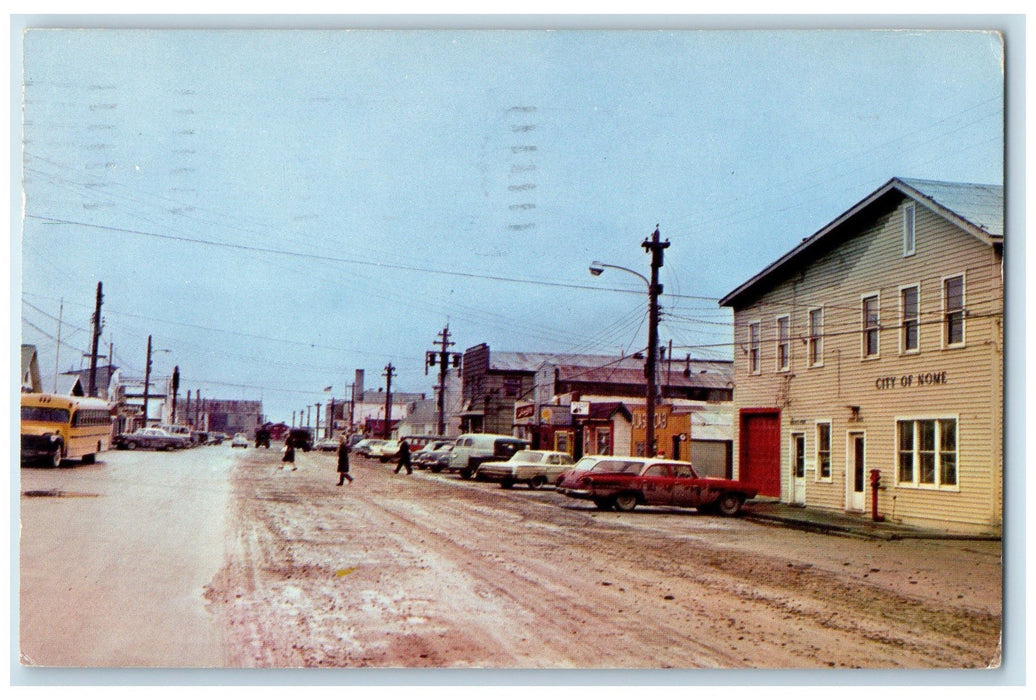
832,529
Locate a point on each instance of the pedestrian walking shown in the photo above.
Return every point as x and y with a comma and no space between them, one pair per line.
404,458
289,454
343,462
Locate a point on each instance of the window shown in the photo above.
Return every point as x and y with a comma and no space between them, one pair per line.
656,470
753,348
870,326
927,452
44,414
816,338
783,343
908,230
512,386
823,450
798,455
953,310
909,339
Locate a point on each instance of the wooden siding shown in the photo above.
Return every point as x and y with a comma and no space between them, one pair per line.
972,392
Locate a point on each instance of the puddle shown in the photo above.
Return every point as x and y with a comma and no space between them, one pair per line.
57,493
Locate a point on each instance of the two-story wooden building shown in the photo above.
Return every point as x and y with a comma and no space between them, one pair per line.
877,344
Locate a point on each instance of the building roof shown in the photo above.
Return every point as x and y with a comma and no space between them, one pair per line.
710,374
976,209
603,410
518,361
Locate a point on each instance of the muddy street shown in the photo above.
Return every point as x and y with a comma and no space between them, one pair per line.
397,571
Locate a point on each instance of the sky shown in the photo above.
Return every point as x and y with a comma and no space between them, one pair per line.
280,208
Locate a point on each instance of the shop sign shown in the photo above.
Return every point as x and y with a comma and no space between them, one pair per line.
580,408
524,411
640,420
920,379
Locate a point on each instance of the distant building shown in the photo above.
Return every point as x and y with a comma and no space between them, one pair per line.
364,410
230,416
589,404
30,381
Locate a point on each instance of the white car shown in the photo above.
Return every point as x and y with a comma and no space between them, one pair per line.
240,440
533,467
386,450
326,445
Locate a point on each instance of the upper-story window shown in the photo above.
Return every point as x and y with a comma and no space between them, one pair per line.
815,343
753,348
908,230
909,340
871,327
512,386
953,310
783,343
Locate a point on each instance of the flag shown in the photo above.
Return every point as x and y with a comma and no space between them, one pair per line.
327,388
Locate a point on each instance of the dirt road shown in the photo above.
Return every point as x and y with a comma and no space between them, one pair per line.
427,570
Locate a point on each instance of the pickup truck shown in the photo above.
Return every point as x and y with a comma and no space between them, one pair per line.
624,483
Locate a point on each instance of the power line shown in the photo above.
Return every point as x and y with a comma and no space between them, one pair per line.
346,261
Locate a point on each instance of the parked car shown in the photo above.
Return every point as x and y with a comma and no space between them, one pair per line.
353,439
535,468
438,459
181,430
472,449
240,440
624,483
421,457
326,445
385,450
301,438
417,442
364,446
150,439
217,438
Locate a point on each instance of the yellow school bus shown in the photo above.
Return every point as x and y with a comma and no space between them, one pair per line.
56,428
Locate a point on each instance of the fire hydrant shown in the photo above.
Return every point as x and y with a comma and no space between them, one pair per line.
875,485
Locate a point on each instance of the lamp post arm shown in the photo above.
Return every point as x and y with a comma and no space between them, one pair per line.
596,265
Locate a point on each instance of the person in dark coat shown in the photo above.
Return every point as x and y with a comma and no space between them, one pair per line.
289,454
343,462
404,458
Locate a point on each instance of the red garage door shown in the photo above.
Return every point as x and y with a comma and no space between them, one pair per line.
761,450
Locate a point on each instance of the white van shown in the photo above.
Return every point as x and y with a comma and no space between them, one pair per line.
472,449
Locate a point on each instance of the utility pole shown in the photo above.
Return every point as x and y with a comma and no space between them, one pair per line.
352,405
97,338
176,388
187,409
443,358
389,371
656,248
197,409
57,353
293,419
330,432
317,433
147,378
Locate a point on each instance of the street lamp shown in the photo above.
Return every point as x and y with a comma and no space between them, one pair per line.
654,289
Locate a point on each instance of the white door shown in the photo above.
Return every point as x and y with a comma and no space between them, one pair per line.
856,472
798,468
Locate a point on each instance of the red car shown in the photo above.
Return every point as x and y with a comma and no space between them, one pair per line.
624,483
